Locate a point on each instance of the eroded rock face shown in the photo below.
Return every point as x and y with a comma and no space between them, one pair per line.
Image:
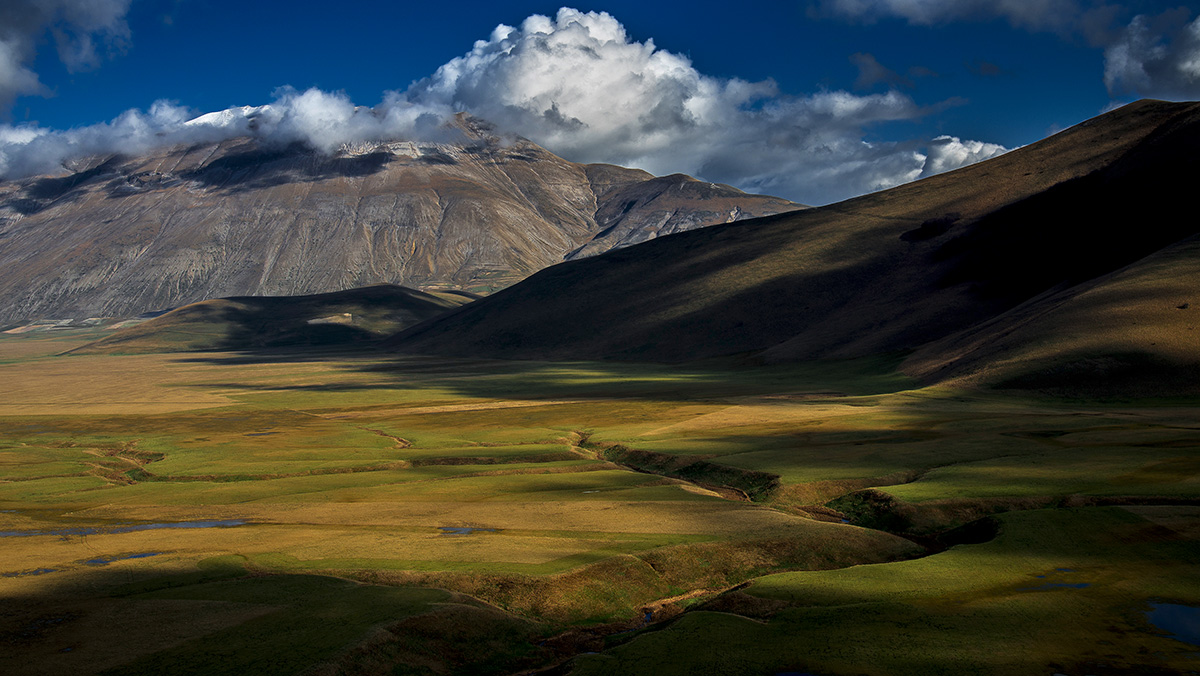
117,236
630,212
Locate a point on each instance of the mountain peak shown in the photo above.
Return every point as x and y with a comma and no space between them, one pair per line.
120,235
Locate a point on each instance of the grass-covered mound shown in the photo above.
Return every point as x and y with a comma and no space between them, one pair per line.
339,319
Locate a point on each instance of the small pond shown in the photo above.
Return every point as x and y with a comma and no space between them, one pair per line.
23,573
105,560
94,530
462,530
1057,585
1182,622
1046,586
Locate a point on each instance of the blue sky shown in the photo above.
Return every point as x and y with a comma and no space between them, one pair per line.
847,95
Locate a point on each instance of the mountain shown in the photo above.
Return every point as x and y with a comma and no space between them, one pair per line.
118,236
884,273
341,318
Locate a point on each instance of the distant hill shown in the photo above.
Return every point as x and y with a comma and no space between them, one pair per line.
1089,220
343,318
119,236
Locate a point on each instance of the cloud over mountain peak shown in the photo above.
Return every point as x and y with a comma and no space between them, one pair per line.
579,85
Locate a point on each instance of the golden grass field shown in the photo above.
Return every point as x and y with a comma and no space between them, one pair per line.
395,514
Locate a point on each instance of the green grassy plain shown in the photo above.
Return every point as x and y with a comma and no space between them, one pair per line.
1057,591
336,475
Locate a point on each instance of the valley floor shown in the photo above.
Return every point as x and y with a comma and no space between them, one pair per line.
287,512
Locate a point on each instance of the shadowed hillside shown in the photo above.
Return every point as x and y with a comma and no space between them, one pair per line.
891,271
343,318
1133,332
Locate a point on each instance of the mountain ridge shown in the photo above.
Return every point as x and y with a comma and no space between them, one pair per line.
887,272
118,236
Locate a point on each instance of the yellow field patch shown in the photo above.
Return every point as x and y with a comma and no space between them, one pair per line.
775,411
29,346
144,384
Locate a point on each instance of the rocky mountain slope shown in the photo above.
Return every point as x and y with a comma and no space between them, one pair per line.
118,236
888,272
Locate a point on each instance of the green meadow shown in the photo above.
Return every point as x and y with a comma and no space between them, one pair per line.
1056,591
372,513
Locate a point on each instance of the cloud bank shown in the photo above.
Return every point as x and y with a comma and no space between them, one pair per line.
945,153
578,85
325,121
1156,56
1030,14
1153,55
81,30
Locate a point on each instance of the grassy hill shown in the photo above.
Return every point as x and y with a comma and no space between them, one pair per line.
888,272
1132,332
352,317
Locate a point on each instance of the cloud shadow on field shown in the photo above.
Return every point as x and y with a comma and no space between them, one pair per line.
369,369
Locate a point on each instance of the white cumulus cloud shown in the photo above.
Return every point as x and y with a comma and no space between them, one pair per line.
578,85
950,152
